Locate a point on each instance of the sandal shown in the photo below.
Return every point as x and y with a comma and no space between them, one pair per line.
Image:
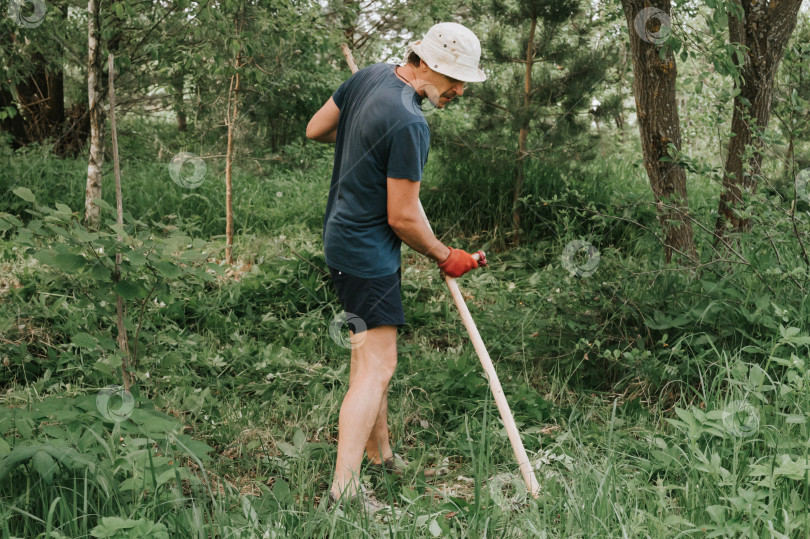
396,465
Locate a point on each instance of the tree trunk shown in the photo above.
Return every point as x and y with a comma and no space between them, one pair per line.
659,126
764,30
618,117
523,135
123,343
790,161
97,117
233,100
178,87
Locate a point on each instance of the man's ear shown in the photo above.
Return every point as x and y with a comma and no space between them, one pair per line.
422,70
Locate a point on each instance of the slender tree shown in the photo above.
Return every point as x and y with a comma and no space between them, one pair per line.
97,117
231,117
791,105
554,70
523,129
178,105
123,342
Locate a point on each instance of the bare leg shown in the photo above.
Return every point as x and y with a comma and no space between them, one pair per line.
378,447
374,361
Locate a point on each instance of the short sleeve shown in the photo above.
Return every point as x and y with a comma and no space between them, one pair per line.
409,152
337,97
344,89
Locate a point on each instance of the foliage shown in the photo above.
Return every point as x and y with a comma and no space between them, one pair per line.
249,366
652,401
156,267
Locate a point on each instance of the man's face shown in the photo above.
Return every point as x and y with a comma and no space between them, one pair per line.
441,89
454,88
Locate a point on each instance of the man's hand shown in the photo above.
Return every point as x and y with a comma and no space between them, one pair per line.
458,263
323,126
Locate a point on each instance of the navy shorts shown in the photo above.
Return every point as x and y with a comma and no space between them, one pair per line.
377,301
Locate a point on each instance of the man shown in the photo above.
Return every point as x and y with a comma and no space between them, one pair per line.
382,142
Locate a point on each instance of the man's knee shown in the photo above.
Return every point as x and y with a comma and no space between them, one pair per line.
377,355
378,365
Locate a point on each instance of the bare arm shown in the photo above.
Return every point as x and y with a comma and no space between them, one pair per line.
323,125
406,220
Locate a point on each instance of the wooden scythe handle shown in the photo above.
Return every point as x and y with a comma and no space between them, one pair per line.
497,391
347,53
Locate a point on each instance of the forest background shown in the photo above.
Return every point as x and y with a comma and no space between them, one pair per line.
173,354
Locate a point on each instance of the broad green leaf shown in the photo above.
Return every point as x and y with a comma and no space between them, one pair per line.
114,360
119,230
717,513
756,376
44,465
136,258
787,468
85,236
101,203
68,262
195,447
191,256
103,367
788,333
287,449
675,520
25,424
686,415
154,422
168,270
7,221
63,208
113,526
216,268
127,289
106,342
174,473
35,225
281,491
24,193
6,419
100,272
299,440
84,340
24,237
130,483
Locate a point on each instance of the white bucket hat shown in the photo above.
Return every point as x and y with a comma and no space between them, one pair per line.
452,50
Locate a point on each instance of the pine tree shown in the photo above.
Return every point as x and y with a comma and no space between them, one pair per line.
547,68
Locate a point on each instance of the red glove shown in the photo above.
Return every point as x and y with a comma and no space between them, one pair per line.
458,263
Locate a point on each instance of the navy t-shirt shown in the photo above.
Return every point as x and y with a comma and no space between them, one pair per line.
381,134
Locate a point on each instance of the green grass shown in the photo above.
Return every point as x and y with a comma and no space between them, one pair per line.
654,403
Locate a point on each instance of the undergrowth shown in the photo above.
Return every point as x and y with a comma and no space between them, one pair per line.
652,402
